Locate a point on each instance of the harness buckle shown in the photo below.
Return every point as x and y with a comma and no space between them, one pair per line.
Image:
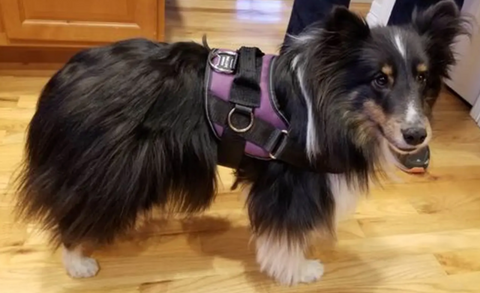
226,60
279,144
242,110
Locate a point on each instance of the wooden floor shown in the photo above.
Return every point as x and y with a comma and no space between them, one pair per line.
420,235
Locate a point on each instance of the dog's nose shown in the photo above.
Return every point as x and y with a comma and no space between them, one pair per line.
414,135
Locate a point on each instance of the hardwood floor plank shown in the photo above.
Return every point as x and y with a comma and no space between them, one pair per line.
395,245
379,208
423,223
466,199
461,261
245,284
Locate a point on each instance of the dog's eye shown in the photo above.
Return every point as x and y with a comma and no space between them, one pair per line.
422,77
381,80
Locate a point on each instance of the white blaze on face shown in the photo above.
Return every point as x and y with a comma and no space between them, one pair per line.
412,114
400,45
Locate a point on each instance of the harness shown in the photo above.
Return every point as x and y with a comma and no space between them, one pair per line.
242,109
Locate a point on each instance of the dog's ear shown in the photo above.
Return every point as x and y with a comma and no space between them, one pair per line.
440,25
346,25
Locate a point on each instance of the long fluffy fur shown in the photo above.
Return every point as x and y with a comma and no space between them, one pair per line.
116,132
121,129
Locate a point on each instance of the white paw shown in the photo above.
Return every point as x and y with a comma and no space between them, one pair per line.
84,267
310,271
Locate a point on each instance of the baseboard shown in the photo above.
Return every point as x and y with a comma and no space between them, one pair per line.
30,61
475,112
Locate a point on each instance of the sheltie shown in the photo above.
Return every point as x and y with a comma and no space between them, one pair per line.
121,129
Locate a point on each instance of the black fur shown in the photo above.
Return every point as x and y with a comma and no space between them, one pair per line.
439,26
121,129
118,130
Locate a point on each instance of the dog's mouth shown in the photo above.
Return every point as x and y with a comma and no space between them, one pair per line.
402,150
390,132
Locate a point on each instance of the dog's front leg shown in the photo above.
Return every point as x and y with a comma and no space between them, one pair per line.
77,264
283,258
287,209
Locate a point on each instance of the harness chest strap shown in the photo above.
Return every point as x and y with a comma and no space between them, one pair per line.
242,110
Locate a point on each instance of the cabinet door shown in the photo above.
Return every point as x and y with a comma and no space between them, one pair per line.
3,35
79,20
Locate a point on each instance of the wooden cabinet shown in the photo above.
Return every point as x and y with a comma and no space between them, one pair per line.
79,22
2,30
3,38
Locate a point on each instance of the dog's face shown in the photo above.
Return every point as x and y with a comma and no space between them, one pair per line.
394,90
381,82
401,71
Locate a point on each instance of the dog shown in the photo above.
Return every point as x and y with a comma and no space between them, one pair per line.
122,129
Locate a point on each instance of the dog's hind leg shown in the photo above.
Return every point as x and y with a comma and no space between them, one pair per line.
77,264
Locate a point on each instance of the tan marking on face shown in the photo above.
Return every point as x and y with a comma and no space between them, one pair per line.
388,71
390,126
422,67
375,112
366,123
366,129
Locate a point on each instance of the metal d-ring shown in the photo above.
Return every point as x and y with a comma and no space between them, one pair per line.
240,130
216,53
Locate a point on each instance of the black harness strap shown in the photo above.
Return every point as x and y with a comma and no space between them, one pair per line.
245,95
245,89
263,134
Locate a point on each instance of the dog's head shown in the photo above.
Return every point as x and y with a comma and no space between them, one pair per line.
406,66
375,84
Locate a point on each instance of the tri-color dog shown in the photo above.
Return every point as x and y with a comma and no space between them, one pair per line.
135,125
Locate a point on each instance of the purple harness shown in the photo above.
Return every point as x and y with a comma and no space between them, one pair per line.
242,109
